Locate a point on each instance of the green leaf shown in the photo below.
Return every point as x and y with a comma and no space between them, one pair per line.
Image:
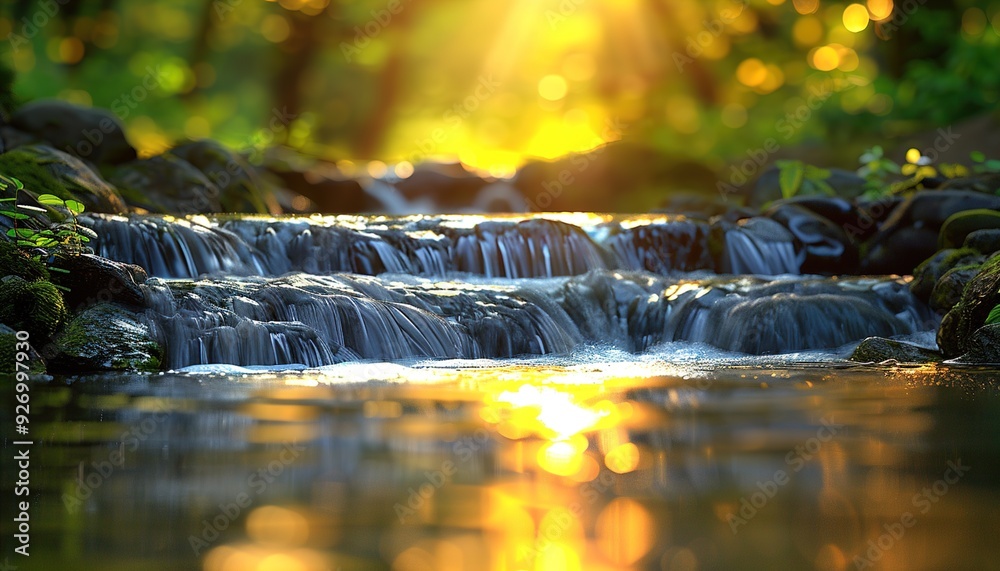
60,270
16,215
978,156
50,200
815,173
994,316
11,199
75,207
20,232
790,178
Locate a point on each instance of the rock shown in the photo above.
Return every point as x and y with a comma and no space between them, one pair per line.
448,191
910,234
106,337
983,348
827,248
927,274
92,134
36,307
845,183
167,184
92,279
879,349
243,189
16,262
986,242
980,296
329,190
948,290
958,226
44,170
9,351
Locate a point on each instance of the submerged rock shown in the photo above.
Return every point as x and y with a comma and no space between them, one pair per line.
879,349
106,337
89,133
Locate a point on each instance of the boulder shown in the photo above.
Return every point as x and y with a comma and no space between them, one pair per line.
242,187
106,337
90,133
927,274
168,185
986,242
910,234
958,226
980,296
91,279
879,349
948,290
36,307
827,248
983,347
45,170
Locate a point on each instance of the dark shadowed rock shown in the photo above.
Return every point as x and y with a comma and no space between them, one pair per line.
948,290
827,248
903,241
879,349
984,347
46,170
242,187
92,134
91,279
927,274
986,242
168,185
106,337
958,226
845,183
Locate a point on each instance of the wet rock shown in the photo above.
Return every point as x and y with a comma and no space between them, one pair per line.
167,184
36,307
758,246
106,337
45,170
92,279
879,349
986,242
827,248
958,226
910,234
846,184
448,191
662,247
948,290
243,188
927,274
984,347
980,296
89,133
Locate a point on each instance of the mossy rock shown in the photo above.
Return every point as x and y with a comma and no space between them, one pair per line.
36,307
90,133
242,188
37,179
958,226
927,274
106,337
983,347
167,184
14,262
979,297
948,290
8,353
879,349
77,179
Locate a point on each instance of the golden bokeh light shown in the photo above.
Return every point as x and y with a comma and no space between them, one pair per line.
625,531
553,87
855,17
824,58
751,72
807,31
277,526
806,6
880,9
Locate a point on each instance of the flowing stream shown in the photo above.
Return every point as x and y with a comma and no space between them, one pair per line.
567,392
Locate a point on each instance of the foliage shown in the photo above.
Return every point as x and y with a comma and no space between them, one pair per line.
14,262
994,316
67,236
983,165
797,178
878,172
36,307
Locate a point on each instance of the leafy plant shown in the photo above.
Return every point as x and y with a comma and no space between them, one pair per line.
994,316
66,236
984,165
878,171
797,177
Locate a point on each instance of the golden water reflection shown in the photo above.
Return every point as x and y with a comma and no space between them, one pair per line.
533,469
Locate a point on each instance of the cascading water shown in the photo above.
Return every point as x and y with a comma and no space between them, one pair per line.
320,291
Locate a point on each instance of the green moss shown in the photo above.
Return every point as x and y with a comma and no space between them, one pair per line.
36,307
931,270
14,262
33,174
961,224
8,354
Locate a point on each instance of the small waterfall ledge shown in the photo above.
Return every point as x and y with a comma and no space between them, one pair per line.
325,290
